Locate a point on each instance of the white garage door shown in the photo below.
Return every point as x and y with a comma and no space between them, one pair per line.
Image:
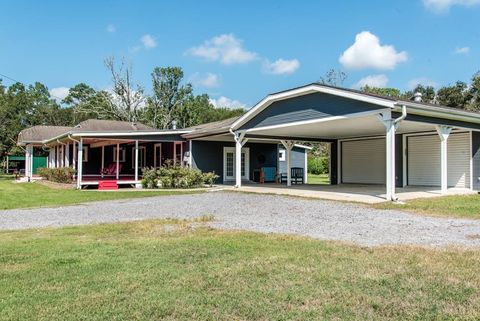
423,160
363,161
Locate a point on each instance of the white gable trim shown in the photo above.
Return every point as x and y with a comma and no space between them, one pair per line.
267,101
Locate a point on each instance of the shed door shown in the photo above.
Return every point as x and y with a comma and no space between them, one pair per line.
363,161
423,160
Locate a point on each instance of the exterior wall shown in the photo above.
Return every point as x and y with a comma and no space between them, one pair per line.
476,160
298,159
306,107
208,156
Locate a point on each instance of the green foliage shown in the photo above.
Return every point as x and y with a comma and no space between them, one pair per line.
428,93
318,165
176,177
456,95
58,175
389,92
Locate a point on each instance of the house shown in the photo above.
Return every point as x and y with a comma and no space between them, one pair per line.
373,140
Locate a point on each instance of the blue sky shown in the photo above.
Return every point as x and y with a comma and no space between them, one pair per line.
240,51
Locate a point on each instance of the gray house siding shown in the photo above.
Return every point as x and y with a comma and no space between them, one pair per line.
298,159
476,160
208,156
306,107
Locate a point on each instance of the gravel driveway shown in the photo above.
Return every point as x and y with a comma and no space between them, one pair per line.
325,220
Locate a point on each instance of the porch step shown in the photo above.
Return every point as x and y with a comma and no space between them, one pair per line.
107,185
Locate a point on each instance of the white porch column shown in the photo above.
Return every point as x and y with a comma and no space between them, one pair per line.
74,158
136,161
240,140
390,127
118,159
288,144
103,161
80,163
67,155
29,161
444,133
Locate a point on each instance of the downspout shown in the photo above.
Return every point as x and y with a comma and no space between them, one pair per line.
402,116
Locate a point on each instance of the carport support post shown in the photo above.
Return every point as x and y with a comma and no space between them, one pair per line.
389,124
444,133
288,144
240,140
80,164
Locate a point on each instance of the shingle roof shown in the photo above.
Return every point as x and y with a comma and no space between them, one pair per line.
216,126
109,125
37,134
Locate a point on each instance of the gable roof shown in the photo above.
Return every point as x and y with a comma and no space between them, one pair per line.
40,133
93,125
216,127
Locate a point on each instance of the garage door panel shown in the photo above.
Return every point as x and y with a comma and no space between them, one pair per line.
423,160
363,161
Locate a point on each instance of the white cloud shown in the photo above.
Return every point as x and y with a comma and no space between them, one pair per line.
226,102
462,51
208,80
378,81
225,48
59,93
367,52
148,41
281,66
421,81
443,6
111,28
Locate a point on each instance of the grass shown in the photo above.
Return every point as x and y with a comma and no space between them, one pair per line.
24,195
318,179
174,270
465,206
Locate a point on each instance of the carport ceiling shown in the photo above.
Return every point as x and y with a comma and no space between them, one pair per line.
341,128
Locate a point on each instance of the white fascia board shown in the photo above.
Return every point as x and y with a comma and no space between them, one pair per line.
318,120
306,90
303,146
439,112
136,133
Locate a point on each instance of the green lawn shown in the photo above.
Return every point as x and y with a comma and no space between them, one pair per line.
22,195
318,179
467,206
167,270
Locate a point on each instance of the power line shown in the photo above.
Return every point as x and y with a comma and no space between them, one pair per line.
14,80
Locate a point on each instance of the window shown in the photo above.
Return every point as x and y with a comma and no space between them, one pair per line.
281,155
85,154
142,152
122,154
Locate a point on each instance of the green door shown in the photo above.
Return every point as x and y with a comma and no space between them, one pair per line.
39,162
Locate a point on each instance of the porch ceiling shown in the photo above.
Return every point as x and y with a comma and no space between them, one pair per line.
340,128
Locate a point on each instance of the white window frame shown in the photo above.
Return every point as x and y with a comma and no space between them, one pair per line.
245,150
282,154
141,149
121,155
175,144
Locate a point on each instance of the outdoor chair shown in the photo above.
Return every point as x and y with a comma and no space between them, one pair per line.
296,176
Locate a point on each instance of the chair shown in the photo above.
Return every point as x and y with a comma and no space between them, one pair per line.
269,174
296,176
111,169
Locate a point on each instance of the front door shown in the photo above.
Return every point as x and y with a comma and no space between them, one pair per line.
229,163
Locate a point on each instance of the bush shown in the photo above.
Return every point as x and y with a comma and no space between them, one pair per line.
176,177
318,165
58,175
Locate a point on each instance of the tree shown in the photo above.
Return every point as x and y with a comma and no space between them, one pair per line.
456,95
168,98
333,78
474,93
85,102
428,93
389,92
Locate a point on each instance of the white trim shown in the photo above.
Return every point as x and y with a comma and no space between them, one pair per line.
317,120
312,88
175,153
305,174
282,152
155,165
404,161
85,154
126,133
122,156
440,112
303,146
471,160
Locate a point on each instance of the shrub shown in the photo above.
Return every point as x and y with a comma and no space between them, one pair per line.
318,165
170,176
58,175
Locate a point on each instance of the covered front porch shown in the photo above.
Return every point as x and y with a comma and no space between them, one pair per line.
361,193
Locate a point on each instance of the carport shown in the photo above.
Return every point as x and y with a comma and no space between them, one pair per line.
375,141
